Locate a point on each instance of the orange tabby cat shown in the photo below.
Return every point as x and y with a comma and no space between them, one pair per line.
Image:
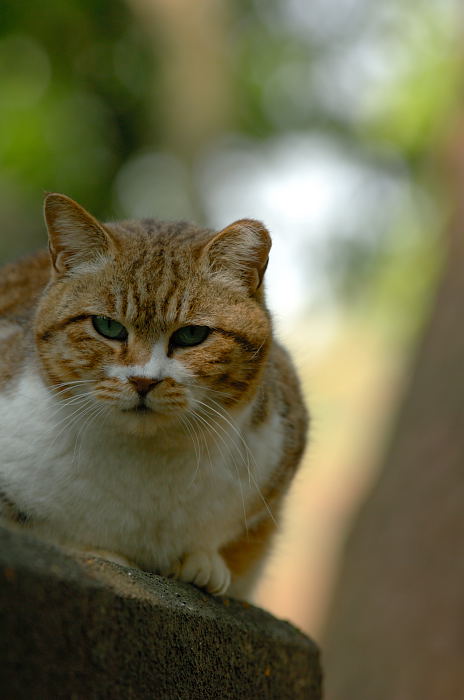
145,409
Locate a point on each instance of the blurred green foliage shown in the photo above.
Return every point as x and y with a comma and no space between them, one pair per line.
74,106
424,89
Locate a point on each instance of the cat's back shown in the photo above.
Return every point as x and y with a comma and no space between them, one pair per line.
21,284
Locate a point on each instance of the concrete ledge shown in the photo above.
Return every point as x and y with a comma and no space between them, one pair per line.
84,628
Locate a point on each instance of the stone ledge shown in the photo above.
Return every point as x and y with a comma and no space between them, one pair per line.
83,628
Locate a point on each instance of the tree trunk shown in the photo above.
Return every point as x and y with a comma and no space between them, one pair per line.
396,630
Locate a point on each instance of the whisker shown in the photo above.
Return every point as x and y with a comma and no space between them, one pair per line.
203,436
217,391
189,428
66,386
70,383
93,414
68,421
74,399
209,389
257,351
196,441
197,419
57,394
198,415
81,405
248,451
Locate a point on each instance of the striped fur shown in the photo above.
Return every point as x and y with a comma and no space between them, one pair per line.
190,486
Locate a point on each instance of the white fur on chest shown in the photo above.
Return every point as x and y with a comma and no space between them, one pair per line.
89,486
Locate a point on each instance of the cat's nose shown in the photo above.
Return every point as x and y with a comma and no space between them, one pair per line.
143,384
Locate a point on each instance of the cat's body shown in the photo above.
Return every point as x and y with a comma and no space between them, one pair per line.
172,444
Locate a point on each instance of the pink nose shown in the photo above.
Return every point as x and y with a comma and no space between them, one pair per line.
143,384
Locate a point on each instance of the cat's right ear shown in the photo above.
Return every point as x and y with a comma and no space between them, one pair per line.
240,253
74,236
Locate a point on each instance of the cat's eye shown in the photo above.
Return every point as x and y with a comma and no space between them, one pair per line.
109,328
189,335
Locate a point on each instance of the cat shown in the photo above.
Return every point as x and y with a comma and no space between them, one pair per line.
146,411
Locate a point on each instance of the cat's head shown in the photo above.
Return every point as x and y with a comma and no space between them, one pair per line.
147,323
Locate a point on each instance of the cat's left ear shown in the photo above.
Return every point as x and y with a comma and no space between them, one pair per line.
240,253
75,236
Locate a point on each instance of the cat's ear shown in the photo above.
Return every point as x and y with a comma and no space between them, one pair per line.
74,235
240,253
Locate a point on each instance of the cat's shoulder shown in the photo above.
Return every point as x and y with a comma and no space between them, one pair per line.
291,404
283,366
22,282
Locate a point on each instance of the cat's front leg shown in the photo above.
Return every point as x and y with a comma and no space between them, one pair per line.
204,568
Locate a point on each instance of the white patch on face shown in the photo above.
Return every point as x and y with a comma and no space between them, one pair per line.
158,367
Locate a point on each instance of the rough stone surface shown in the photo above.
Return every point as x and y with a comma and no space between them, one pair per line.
80,627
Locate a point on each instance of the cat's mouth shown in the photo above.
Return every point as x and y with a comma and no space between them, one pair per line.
141,408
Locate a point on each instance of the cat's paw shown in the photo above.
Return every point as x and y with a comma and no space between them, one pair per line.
203,568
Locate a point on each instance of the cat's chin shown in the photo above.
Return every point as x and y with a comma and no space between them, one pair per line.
139,410
142,421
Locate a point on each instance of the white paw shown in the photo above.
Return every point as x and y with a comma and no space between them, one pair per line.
205,569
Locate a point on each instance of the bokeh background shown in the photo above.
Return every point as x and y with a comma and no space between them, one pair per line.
328,120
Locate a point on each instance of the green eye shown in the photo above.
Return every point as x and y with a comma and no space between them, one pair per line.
109,328
190,335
